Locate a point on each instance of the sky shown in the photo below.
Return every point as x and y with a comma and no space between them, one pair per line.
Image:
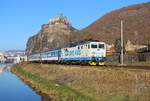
20,19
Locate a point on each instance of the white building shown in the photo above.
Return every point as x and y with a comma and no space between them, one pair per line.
2,58
129,47
15,56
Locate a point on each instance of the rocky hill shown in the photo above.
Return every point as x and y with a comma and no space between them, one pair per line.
55,34
59,32
136,25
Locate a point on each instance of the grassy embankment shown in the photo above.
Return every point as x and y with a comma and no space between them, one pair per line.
75,83
48,87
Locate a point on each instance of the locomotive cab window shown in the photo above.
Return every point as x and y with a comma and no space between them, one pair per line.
101,46
93,45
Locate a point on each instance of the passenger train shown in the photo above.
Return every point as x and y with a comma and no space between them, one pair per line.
85,52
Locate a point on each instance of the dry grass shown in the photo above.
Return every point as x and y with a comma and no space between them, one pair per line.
101,83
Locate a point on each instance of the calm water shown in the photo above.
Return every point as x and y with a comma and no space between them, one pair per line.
13,89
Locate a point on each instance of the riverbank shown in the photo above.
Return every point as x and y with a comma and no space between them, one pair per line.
13,89
48,87
75,83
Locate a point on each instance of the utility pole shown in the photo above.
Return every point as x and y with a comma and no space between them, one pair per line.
121,59
41,53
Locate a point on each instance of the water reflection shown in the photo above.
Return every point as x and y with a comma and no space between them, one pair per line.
5,68
13,89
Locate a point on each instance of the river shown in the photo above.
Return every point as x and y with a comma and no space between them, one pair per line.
13,89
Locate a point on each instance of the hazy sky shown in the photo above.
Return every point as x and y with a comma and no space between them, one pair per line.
20,19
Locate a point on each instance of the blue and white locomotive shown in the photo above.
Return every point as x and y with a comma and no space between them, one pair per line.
88,52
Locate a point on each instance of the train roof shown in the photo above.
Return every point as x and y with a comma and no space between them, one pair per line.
34,53
73,44
52,49
45,51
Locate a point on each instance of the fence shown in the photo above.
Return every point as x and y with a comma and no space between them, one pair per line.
130,58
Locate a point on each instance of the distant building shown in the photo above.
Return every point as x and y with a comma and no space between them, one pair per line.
58,20
144,53
23,58
2,58
110,49
129,47
15,56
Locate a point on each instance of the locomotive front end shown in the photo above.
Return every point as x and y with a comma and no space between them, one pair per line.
97,53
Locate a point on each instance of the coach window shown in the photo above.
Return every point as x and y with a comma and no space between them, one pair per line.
93,45
78,47
49,54
81,47
53,54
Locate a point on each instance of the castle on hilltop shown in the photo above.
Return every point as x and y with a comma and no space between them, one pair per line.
54,34
61,19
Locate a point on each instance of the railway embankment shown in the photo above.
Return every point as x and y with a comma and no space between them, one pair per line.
78,83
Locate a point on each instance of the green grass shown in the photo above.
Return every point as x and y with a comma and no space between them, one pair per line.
88,84
65,93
